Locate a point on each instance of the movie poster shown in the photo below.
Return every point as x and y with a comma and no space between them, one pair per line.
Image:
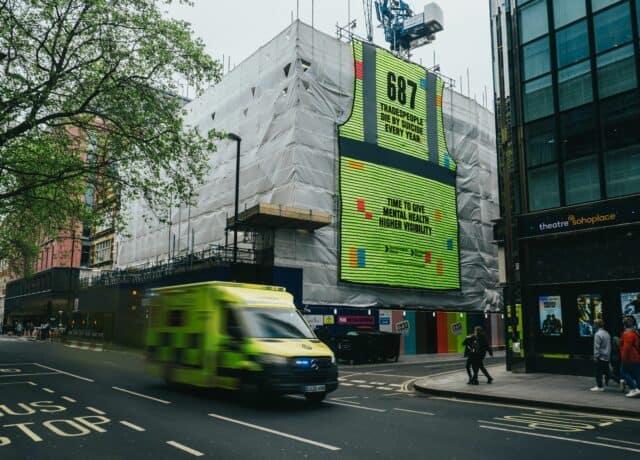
589,309
630,302
550,315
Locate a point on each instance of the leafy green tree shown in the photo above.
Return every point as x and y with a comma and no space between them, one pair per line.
87,102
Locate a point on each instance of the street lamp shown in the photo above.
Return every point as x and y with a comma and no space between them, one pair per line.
235,137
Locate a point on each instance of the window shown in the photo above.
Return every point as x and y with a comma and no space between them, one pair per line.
535,59
612,27
102,251
597,5
574,86
622,171
567,11
581,180
538,98
616,71
578,132
543,188
572,44
533,21
539,142
620,115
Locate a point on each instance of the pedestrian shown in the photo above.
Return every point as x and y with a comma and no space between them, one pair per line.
615,359
479,349
601,354
630,357
468,344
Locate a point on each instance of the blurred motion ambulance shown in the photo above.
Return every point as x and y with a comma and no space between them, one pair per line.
236,336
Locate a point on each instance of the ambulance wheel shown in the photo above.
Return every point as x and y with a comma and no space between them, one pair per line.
315,397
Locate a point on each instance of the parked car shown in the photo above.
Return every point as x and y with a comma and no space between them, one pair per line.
368,346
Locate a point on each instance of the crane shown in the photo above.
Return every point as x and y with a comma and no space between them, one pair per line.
403,29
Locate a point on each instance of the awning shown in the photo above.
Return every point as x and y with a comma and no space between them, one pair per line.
266,215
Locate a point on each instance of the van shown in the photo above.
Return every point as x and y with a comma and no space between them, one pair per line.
236,336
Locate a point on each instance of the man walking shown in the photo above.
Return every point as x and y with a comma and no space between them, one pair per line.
601,354
478,352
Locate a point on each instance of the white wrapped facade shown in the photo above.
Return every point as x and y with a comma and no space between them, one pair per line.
285,102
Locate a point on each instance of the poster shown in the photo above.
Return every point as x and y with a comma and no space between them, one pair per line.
630,302
398,224
589,309
550,308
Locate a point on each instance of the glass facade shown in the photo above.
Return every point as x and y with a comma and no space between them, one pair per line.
572,44
579,96
533,20
612,27
567,11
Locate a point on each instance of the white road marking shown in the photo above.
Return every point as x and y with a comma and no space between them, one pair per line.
48,390
560,438
618,440
393,394
364,386
385,388
65,373
34,384
14,383
515,406
67,398
338,403
507,425
342,384
278,433
414,411
189,450
376,383
346,397
132,426
395,385
359,381
96,411
141,395
27,375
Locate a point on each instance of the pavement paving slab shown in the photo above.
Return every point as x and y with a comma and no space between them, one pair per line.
537,389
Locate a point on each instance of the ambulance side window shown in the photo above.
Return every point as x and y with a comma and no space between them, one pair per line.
232,325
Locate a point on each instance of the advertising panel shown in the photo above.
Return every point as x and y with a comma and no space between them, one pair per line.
589,309
630,303
399,223
550,308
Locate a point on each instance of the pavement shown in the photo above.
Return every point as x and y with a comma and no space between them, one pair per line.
567,392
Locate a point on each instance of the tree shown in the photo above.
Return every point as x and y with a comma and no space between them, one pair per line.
105,70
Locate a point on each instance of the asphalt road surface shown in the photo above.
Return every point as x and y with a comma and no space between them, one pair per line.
62,403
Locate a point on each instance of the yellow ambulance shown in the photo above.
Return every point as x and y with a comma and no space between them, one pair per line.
236,336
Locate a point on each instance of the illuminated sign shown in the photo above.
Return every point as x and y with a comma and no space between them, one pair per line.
596,215
399,224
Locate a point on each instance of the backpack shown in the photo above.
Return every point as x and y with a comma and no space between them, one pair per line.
473,346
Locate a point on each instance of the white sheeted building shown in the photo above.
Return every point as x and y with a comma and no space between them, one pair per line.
285,102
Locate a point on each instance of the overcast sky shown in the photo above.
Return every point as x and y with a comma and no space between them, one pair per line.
238,28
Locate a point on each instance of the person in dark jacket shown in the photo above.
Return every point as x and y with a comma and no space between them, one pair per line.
468,343
478,352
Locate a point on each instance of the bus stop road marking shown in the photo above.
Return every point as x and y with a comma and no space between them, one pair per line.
350,404
561,438
96,411
277,433
141,395
67,398
48,390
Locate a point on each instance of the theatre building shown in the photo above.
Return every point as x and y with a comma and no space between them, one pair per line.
567,110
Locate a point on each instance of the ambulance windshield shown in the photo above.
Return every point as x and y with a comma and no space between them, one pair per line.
275,323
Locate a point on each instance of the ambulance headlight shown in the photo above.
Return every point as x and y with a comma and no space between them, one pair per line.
273,360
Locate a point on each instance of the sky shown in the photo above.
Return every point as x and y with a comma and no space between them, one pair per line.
238,28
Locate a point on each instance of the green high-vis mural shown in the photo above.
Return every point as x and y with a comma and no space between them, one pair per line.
399,224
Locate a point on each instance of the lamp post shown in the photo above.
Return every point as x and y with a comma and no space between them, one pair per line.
235,137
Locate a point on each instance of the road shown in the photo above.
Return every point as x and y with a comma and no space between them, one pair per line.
62,403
